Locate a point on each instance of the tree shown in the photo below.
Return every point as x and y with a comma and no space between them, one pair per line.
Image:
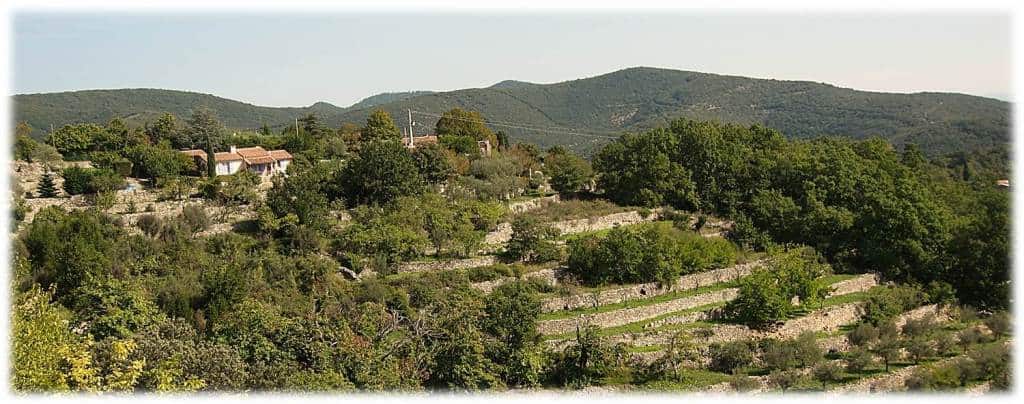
784,379
998,323
165,128
379,126
863,335
858,359
511,322
74,141
46,356
433,163
46,188
584,362
568,172
730,356
462,123
380,173
203,130
637,169
828,372
888,349
531,240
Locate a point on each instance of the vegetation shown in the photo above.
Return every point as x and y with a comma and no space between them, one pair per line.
312,293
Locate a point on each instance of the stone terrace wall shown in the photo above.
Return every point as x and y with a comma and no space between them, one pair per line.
548,275
644,290
447,264
632,315
503,233
525,206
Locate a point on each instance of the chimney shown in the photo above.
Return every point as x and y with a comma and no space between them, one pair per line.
233,149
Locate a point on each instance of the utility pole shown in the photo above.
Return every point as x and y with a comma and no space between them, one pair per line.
296,126
410,128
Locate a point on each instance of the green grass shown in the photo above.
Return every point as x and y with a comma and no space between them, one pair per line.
689,379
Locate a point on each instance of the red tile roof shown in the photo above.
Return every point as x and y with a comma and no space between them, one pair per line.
226,156
280,155
248,152
259,160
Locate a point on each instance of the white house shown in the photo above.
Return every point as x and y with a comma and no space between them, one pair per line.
255,159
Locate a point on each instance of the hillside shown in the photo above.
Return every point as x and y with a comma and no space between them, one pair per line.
607,105
384,98
140,105
640,98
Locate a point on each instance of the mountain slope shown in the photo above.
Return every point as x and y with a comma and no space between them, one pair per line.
607,105
140,105
384,98
640,98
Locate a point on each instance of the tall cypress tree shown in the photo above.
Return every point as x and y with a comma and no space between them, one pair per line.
47,189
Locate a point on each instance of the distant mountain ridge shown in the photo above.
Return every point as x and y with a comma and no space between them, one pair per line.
626,100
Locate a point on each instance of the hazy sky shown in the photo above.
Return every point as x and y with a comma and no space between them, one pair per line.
298,59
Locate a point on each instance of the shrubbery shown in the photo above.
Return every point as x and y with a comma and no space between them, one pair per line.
645,253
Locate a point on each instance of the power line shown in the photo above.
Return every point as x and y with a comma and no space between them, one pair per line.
565,131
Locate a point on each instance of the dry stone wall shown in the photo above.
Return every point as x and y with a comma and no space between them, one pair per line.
647,290
451,264
631,315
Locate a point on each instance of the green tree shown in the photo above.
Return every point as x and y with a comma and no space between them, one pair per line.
46,188
463,123
511,322
637,169
379,126
203,131
380,173
531,240
74,141
568,172
433,163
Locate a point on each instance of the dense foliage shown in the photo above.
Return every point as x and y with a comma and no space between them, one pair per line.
831,194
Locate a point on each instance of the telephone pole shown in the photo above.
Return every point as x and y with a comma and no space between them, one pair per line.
410,128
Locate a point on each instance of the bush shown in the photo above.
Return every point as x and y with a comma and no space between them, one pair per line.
743,383
194,218
151,225
645,253
890,302
730,356
76,180
828,372
863,335
765,297
998,323
858,359
785,379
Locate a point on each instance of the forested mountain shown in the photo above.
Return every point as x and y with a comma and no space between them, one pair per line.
384,98
139,105
627,100
640,98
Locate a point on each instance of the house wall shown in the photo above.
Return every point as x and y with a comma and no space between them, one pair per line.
282,165
228,167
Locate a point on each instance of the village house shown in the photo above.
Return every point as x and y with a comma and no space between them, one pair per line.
255,159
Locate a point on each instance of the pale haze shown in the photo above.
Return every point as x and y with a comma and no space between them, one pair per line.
299,59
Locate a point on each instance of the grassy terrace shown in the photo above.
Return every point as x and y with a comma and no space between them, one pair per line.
628,304
695,379
572,209
639,326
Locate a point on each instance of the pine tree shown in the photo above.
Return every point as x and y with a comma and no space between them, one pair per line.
47,189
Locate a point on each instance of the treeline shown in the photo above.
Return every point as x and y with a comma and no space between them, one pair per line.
862,204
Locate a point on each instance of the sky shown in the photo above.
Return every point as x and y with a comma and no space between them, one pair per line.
296,59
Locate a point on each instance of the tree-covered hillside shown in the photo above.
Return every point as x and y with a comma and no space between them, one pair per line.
141,105
627,100
641,98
